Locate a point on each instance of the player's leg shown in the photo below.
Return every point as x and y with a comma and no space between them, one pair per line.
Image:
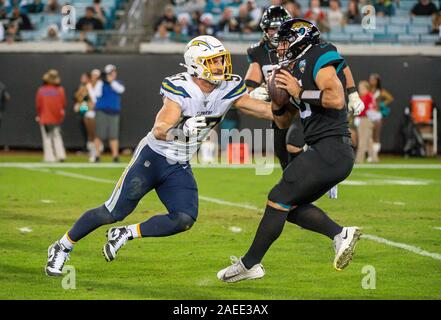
305,180
179,193
295,139
280,145
312,218
134,183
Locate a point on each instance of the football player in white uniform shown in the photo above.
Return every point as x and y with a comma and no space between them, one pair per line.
194,102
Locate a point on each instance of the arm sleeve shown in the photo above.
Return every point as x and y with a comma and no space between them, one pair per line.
117,87
329,58
98,90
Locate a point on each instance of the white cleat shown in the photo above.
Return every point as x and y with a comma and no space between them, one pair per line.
237,272
57,255
116,238
344,246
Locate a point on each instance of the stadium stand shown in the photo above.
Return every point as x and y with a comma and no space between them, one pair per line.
42,20
401,27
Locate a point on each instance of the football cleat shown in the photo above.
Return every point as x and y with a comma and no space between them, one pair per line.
237,272
344,246
116,238
57,255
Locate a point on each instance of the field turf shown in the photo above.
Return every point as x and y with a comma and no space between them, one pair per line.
400,205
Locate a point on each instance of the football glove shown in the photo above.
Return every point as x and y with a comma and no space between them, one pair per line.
355,105
260,93
193,126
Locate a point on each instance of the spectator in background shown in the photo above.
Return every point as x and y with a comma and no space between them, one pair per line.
352,15
22,19
227,22
12,33
2,32
36,6
184,19
162,34
364,123
5,7
384,8
316,15
243,22
215,7
100,12
206,26
335,15
108,93
84,105
52,33
383,99
3,13
195,19
294,8
424,8
169,19
255,12
52,7
50,104
89,22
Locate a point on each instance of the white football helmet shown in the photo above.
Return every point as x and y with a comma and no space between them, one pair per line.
200,59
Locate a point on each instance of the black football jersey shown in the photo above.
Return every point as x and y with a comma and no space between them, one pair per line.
264,56
319,122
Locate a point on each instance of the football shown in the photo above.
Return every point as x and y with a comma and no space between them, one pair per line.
279,96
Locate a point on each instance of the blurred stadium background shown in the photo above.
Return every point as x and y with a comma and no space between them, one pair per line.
145,40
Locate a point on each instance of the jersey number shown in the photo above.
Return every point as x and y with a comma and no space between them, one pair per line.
304,108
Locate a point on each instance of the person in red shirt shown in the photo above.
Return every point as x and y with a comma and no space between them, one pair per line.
316,15
50,103
365,122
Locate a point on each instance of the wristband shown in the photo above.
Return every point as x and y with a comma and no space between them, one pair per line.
311,96
351,90
252,84
279,112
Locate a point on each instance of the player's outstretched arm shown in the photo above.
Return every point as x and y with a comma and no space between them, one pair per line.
254,107
166,119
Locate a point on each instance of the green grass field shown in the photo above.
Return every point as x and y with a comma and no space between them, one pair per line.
400,205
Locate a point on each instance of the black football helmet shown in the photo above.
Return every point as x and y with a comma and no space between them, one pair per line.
300,34
273,17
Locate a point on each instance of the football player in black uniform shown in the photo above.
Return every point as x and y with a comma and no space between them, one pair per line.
262,57
316,84
288,143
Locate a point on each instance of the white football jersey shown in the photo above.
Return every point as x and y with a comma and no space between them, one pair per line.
193,102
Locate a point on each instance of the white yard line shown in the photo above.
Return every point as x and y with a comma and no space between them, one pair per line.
202,166
403,246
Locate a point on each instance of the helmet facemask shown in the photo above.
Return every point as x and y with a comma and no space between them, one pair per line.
214,72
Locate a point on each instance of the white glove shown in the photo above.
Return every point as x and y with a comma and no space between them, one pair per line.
355,105
260,93
193,125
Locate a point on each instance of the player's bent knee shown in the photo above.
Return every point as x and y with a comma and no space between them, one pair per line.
104,215
183,221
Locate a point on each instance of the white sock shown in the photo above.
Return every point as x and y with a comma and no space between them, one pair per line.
67,242
134,229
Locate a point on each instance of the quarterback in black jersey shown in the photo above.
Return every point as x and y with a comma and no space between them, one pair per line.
316,83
